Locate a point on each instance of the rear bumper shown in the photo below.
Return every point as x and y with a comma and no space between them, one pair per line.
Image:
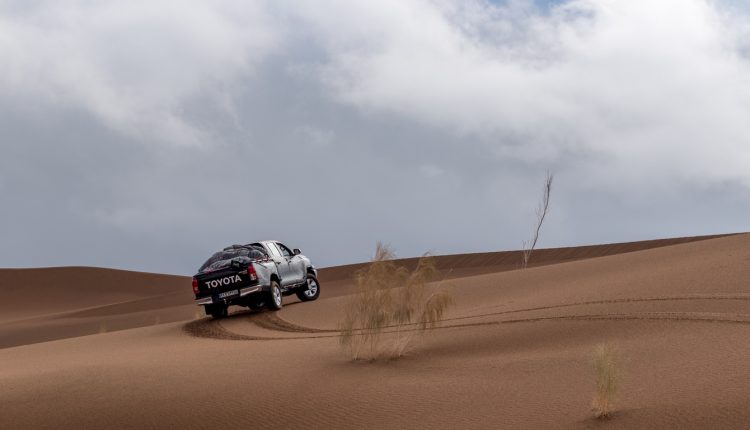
203,301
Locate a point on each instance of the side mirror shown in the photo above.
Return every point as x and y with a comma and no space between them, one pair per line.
297,251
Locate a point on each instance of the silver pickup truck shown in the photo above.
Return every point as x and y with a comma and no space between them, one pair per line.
254,275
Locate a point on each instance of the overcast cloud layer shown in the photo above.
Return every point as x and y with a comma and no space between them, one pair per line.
145,135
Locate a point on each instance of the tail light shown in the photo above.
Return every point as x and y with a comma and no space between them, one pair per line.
195,286
251,273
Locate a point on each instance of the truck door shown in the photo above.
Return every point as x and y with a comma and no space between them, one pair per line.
282,264
296,265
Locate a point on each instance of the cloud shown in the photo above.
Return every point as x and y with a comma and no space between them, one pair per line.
144,136
136,66
638,91
634,90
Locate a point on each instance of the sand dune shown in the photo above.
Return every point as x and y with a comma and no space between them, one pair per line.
514,352
30,293
40,305
339,278
57,303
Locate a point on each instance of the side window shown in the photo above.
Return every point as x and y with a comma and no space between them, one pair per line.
274,251
284,250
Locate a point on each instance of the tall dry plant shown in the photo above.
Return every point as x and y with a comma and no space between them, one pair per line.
607,379
390,306
541,213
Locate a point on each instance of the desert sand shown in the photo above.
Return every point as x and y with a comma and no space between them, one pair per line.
100,348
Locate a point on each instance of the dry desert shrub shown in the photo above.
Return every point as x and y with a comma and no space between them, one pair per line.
541,212
607,378
390,306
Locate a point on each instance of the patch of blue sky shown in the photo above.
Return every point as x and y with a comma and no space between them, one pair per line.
547,4
542,5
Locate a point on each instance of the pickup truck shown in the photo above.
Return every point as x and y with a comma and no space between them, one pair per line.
254,275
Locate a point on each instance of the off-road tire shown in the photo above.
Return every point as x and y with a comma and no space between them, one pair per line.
304,295
255,305
275,298
218,311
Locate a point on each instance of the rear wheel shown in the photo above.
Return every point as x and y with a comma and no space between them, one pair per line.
255,305
217,310
313,290
275,301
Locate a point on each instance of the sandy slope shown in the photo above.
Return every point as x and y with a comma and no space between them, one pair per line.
29,293
513,353
54,303
46,304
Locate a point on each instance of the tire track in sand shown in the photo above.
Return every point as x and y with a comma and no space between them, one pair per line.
213,329
271,321
690,297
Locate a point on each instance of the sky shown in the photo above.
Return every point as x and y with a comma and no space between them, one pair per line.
146,135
